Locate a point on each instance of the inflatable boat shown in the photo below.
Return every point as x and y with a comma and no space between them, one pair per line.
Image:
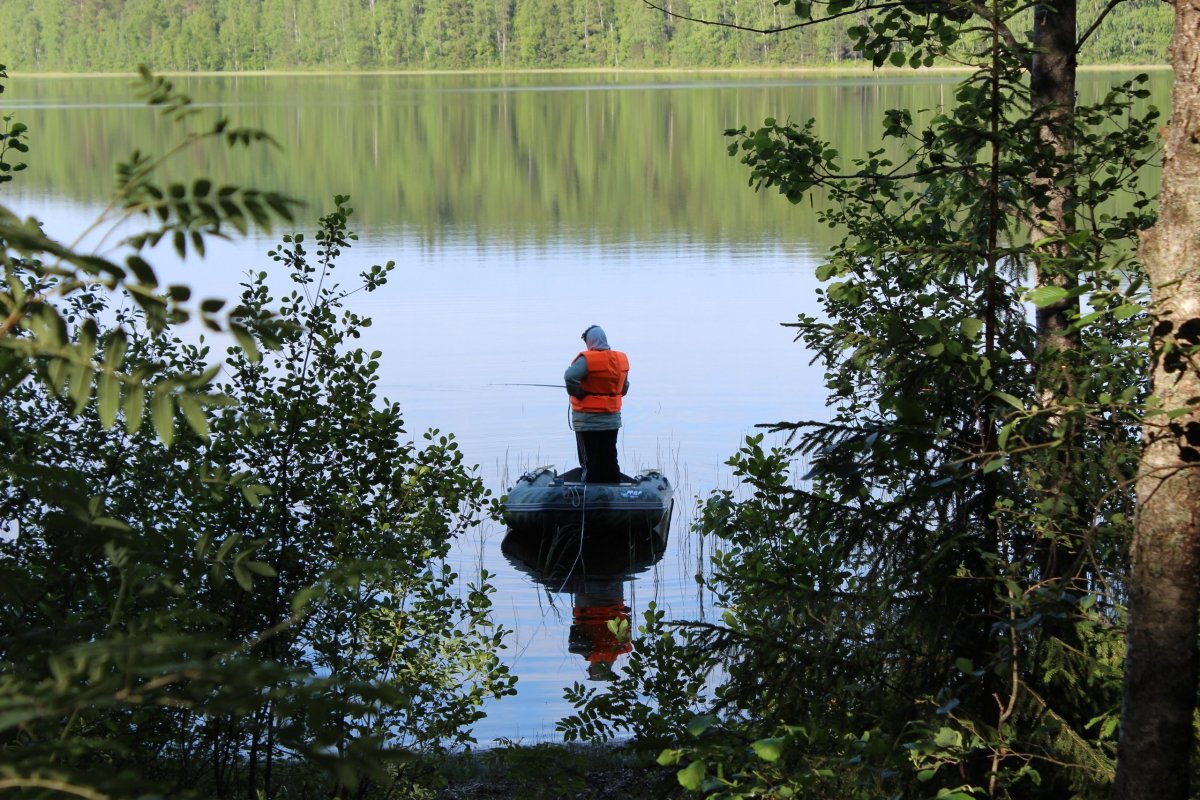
543,503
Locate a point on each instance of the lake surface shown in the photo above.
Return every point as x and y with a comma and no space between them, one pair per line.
520,210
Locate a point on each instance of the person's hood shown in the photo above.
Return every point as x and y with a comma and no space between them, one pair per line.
595,339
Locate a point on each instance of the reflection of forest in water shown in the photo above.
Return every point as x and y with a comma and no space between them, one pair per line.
520,158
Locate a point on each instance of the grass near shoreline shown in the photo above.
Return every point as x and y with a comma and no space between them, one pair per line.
557,772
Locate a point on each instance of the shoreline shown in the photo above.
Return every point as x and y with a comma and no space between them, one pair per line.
862,70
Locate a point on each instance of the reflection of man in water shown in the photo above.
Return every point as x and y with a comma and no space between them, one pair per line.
590,635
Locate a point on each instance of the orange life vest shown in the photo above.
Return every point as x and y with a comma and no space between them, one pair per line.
606,373
591,625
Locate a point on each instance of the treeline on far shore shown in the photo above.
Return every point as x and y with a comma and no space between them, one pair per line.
106,35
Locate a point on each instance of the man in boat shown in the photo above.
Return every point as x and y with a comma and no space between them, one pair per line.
596,381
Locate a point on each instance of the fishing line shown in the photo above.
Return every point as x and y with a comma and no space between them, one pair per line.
583,507
582,530
583,476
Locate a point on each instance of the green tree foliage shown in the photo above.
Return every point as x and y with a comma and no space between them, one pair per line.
216,588
453,34
1140,32
935,607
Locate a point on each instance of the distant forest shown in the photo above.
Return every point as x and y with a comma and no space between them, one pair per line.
194,35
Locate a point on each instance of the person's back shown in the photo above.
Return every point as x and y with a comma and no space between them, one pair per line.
597,380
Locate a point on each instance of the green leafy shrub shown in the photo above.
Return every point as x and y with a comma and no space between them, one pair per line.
934,606
252,588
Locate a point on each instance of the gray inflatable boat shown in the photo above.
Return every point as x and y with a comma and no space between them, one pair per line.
543,502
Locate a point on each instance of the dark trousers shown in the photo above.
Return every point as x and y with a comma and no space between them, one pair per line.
598,456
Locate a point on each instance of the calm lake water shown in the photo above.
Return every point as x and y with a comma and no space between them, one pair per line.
520,210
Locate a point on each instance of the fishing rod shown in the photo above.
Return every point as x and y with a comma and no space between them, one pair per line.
545,385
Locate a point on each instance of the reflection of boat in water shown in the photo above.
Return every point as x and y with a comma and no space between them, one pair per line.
563,561
592,562
543,502
593,568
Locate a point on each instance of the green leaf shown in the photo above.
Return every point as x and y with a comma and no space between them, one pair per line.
1044,296
108,398
692,776
260,568
194,414
1012,401
1127,310
56,375
769,749
142,271
135,406
114,350
216,400
162,412
227,547
971,327
698,725
1005,432
16,717
80,385
947,737
246,341
669,757
242,575
254,492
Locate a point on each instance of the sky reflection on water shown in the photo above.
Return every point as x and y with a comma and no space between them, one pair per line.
458,321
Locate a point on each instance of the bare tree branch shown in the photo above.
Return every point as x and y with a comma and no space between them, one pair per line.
1002,29
781,28
979,9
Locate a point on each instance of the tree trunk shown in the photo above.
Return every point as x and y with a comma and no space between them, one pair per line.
1161,660
1052,86
1052,75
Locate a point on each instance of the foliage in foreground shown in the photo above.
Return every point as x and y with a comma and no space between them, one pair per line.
250,588
549,771
935,607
